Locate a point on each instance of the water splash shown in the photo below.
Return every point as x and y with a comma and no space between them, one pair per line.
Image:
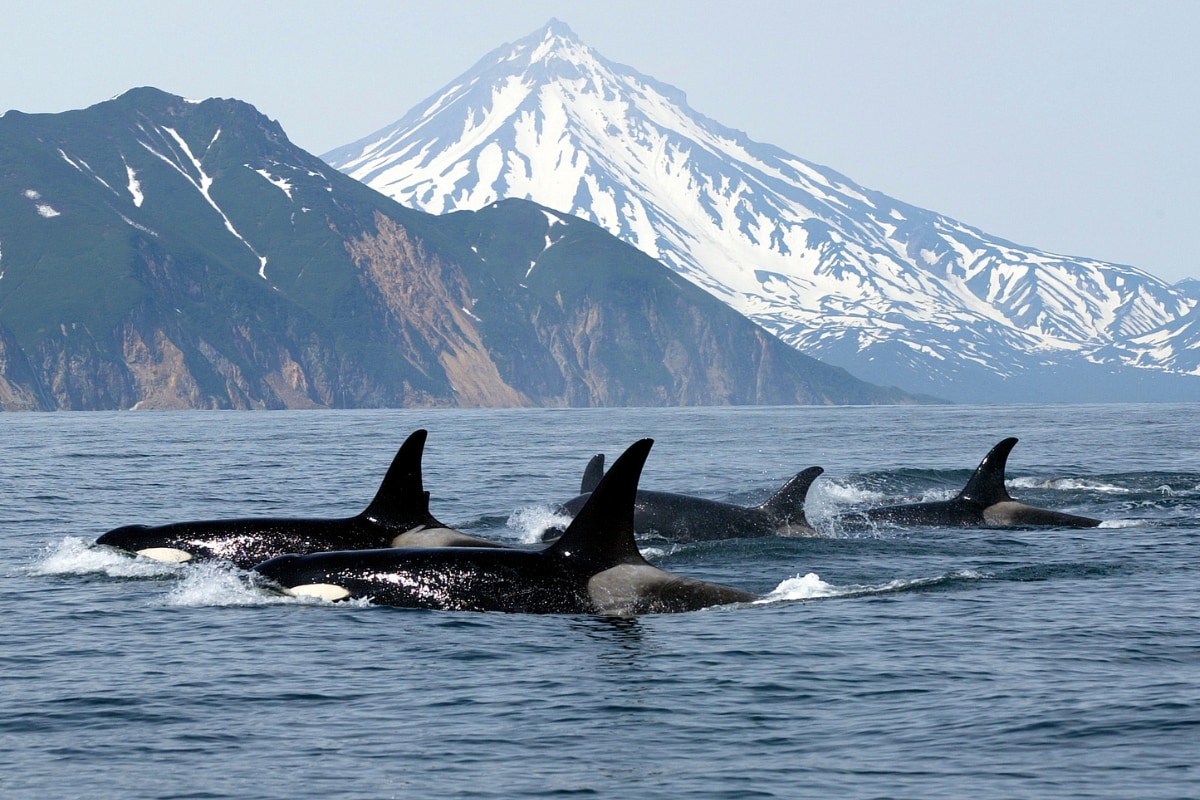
76,556
831,499
811,587
805,587
528,522
835,492
219,584
1068,485
1122,523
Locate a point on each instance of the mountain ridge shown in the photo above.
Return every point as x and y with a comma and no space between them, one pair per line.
157,252
899,294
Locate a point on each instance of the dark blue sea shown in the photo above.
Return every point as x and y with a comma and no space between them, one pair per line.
889,663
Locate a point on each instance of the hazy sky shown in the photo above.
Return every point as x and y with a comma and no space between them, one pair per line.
1068,125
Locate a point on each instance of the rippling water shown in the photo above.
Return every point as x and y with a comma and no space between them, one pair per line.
887,663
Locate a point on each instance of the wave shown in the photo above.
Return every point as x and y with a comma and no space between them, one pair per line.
218,584
811,587
221,584
1068,485
1123,523
874,489
1166,490
76,556
528,522
840,492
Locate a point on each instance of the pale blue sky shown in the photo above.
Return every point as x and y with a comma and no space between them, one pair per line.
1069,125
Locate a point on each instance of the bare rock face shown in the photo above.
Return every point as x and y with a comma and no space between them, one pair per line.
18,385
428,305
163,254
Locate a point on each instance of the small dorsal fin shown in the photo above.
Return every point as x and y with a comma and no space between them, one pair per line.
601,535
787,504
402,500
986,486
592,474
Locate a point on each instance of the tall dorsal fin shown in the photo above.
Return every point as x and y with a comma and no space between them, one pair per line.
601,535
986,486
787,504
402,500
592,474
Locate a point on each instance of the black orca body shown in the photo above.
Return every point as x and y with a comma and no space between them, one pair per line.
983,502
397,517
684,518
594,568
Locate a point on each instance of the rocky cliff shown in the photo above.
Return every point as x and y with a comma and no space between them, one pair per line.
162,253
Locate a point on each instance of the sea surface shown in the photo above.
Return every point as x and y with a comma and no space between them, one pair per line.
887,663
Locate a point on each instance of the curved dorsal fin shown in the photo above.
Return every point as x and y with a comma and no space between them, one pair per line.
601,535
986,486
402,499
787,504
592,474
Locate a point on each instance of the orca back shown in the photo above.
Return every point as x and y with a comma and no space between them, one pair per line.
785,508
401,501
592,474
601,535
986,486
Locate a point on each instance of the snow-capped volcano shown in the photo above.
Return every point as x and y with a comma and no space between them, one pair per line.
897,294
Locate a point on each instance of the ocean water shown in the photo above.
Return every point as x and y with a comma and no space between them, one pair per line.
884,663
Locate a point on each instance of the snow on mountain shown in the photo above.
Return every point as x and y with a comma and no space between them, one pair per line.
894,293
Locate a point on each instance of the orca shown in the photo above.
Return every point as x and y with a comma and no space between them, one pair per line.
983,502
398,517
684,518
595,567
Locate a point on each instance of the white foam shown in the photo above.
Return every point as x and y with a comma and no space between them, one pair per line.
1068,485
1121,523
221,584
810,587
75,556
529,522
218,583
799,588
829,498
837,493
